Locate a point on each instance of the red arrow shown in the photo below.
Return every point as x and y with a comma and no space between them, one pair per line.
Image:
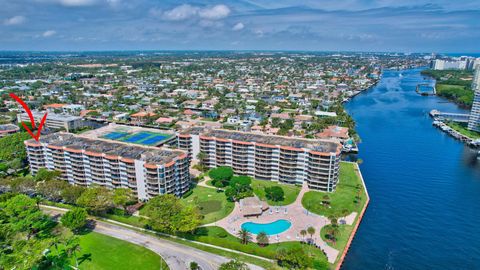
32,120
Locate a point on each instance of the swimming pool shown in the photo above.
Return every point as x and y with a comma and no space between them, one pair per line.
272,228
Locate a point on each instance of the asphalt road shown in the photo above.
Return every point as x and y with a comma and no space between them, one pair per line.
178,257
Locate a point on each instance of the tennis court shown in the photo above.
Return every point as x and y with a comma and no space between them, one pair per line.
115,135
138,137
154,139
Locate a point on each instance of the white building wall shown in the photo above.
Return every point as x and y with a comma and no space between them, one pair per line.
140,177
195,146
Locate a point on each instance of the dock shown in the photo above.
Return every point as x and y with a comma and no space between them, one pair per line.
455,134
439,119
445,116
426,93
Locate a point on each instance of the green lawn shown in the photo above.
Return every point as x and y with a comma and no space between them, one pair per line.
291,191
462,128
110,253
118,215
209,183
219,237
343,234
213,205
343,199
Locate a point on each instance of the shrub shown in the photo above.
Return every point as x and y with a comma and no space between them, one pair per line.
274,193
194,266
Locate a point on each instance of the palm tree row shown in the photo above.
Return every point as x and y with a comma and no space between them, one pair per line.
245,237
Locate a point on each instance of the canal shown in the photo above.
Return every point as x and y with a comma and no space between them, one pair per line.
424,185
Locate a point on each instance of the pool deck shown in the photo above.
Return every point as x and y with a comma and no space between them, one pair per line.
299,217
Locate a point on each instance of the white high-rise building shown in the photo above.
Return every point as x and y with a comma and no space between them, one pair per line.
474,121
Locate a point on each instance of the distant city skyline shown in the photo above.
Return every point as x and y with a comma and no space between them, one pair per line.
353,25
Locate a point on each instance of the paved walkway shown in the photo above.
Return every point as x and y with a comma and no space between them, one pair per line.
298,216
177,256
203,183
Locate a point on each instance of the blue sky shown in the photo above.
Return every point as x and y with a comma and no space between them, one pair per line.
353,25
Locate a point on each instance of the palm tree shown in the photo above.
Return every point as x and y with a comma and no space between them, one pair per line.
333,234
358,197
72,247
326,200
333,220
262,239
303,233
245,236
201,158
311,231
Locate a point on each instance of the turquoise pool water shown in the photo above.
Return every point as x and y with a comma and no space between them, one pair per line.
272,228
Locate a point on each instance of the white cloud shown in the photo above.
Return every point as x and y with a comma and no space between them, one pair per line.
259,33
49,33
180,13
237,27
214,13
185,11
15,20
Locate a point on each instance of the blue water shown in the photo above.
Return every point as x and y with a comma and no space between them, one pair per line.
424,185
272,228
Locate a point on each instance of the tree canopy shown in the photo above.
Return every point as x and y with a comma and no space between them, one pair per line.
294,258
12,147
44,174
24,232
96,199
75,219
167,214
123,197
239,188
274,193
28,237
221,174
52,189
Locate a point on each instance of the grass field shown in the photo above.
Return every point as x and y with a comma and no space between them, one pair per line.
118,215
462,128
291,191
213,205
343,199
343,234
110,253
